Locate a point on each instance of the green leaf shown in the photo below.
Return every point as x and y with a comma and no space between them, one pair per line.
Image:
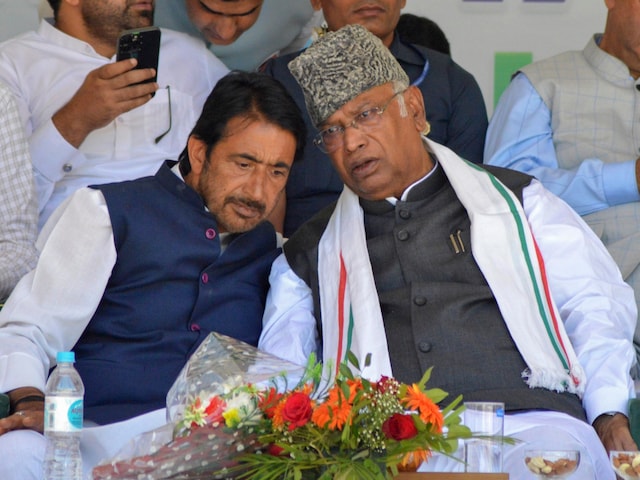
367,360
353,360
425,378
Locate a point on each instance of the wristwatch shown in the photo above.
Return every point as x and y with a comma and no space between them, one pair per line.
612,413
606,414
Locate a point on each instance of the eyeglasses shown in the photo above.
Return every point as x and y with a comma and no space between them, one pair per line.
332,138
163,134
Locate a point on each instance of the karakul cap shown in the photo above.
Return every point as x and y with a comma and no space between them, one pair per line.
341,65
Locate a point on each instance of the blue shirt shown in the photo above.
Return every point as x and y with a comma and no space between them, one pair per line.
520,136
279,29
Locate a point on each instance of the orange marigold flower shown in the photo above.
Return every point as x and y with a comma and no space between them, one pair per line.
429,412
334,412
278,419
355,385
412,460
268,401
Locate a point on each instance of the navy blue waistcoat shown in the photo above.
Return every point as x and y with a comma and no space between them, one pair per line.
170,287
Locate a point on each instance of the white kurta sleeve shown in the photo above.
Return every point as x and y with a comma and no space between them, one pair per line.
52,305
597,307
289,326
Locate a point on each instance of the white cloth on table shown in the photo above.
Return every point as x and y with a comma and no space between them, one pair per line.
541,430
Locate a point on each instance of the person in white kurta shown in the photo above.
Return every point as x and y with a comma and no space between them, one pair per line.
83,127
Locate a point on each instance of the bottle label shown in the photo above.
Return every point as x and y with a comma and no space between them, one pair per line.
63,414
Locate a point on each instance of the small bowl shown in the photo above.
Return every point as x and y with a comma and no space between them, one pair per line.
626,464
556,464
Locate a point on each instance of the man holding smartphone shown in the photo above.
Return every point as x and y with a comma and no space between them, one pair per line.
90,119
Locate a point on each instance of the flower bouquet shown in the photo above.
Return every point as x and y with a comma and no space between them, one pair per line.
279,428
193,447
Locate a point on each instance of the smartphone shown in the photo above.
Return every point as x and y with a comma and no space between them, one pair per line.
142,44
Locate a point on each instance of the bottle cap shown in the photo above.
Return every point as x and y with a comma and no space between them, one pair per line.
66,357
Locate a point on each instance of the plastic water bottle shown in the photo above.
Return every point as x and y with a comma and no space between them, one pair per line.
63,415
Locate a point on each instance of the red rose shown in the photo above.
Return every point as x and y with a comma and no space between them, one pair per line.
399,427
275,450
297,410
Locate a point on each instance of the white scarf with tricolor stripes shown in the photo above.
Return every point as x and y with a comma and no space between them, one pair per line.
504,249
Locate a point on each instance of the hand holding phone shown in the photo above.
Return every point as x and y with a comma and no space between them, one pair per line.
100,99
143,44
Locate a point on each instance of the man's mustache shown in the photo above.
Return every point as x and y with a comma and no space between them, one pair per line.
254,204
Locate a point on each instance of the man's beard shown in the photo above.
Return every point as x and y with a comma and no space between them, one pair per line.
105,22
234,223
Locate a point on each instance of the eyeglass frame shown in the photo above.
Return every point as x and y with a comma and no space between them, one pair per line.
164,134
318,140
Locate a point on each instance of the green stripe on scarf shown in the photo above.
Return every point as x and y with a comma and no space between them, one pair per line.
542,306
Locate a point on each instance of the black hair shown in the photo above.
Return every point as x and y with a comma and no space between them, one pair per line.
250,95
423,31
55,6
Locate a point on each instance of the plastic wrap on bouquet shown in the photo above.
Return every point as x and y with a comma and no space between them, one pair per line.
223,363
195,442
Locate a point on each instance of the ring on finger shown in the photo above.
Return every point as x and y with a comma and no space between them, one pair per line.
20,413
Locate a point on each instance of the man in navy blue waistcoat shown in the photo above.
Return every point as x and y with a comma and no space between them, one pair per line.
134,275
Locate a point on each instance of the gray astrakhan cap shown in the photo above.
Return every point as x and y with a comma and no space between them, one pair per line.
341,65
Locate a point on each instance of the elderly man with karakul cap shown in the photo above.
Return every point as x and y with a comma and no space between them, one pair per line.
427,260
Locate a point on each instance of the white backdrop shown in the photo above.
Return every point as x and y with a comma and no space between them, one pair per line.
477,31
